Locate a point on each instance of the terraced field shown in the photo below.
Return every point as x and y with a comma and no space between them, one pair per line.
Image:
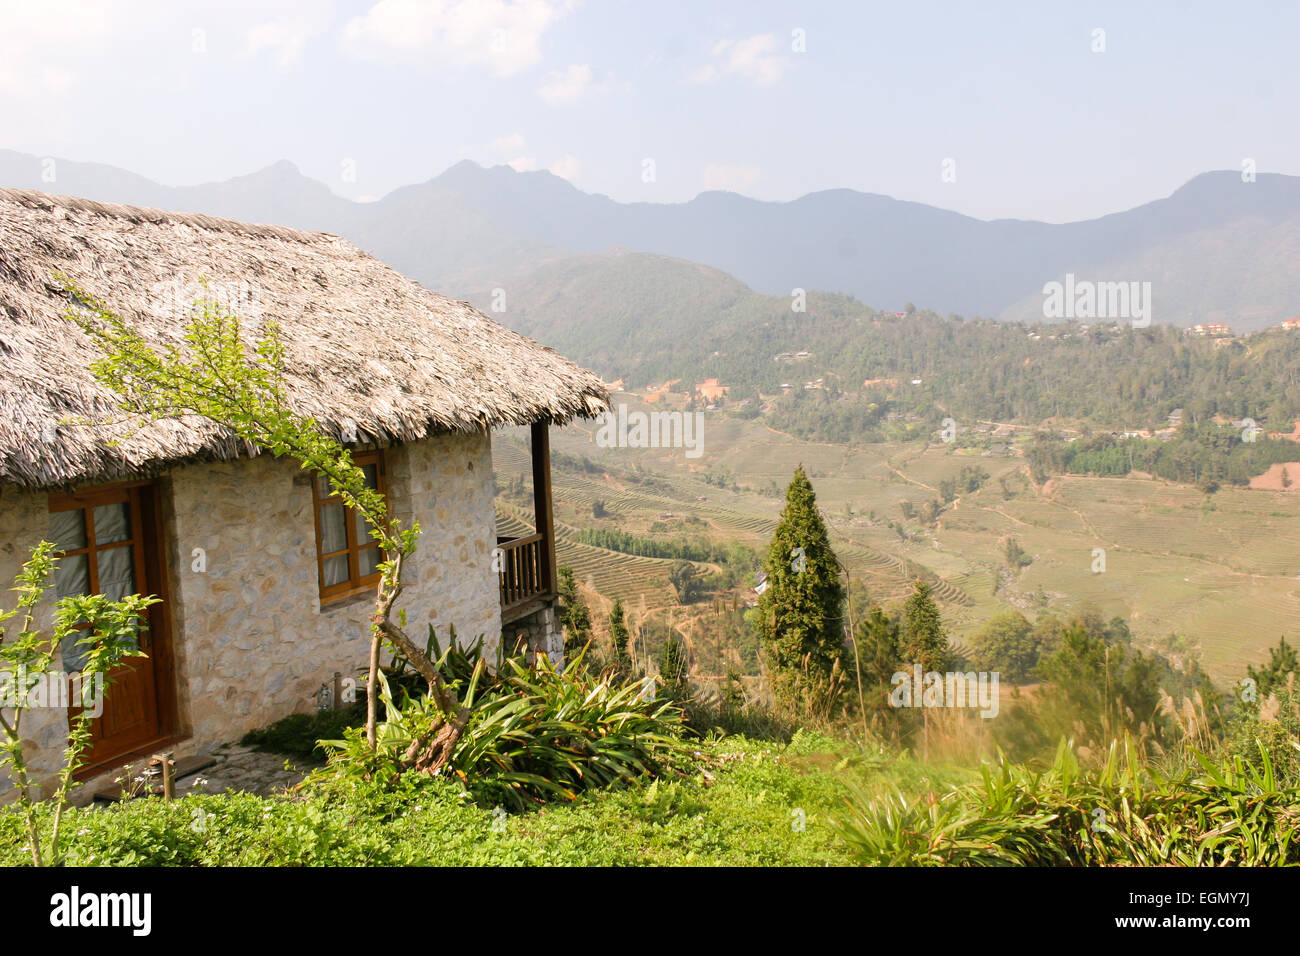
635,579
725,515
1222,572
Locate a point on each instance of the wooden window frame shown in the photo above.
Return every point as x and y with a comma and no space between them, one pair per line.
355,583
86,503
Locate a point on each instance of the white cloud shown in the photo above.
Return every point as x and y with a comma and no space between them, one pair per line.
503,35
753,58
730,177
45,46
285,38
523,164
511,143
566,167
567,86
705,74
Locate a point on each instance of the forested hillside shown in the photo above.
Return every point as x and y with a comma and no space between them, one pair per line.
648,319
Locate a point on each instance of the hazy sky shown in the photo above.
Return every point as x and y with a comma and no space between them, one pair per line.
772,100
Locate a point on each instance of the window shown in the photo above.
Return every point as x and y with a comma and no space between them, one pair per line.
346,555
98,536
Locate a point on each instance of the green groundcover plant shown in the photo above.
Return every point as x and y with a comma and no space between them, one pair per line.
735,802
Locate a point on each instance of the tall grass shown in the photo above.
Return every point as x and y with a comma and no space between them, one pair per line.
1221,812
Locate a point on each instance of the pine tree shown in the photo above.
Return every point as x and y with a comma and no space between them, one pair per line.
1282,660
879,654
799,617
923,639
575,616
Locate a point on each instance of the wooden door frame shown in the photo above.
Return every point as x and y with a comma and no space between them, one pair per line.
152,549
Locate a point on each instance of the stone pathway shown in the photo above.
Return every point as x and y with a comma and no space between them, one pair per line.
245,769
235,767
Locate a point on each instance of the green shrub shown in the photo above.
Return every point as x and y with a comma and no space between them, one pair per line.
1006,644
541,733
534,733
1273,729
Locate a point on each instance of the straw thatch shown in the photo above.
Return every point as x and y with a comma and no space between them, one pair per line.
369,354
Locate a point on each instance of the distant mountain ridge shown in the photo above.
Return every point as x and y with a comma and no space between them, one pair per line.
1217,250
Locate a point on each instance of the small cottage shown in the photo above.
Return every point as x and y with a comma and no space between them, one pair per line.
266,580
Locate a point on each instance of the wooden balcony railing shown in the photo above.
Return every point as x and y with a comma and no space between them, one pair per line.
523,573
527,565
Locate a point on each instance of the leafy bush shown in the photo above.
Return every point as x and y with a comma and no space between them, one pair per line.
1272,728
1006,644
546,734
1095,690
534,733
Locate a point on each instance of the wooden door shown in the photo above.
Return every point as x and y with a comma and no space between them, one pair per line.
109,546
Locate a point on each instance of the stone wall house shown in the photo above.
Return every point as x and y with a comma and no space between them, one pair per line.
267,584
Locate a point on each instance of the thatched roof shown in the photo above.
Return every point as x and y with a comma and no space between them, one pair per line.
368,352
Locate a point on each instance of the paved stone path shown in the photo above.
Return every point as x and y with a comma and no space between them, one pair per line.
243,768
236,767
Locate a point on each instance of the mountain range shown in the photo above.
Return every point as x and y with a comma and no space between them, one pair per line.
1218,249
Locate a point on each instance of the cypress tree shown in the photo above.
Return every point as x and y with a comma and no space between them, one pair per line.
923,639
799,617
879,655
575,616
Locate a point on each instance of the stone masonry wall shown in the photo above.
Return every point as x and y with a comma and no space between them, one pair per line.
540,632
252,642
24,521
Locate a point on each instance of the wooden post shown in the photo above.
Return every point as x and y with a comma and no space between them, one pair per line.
542,508
169,782
338,690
